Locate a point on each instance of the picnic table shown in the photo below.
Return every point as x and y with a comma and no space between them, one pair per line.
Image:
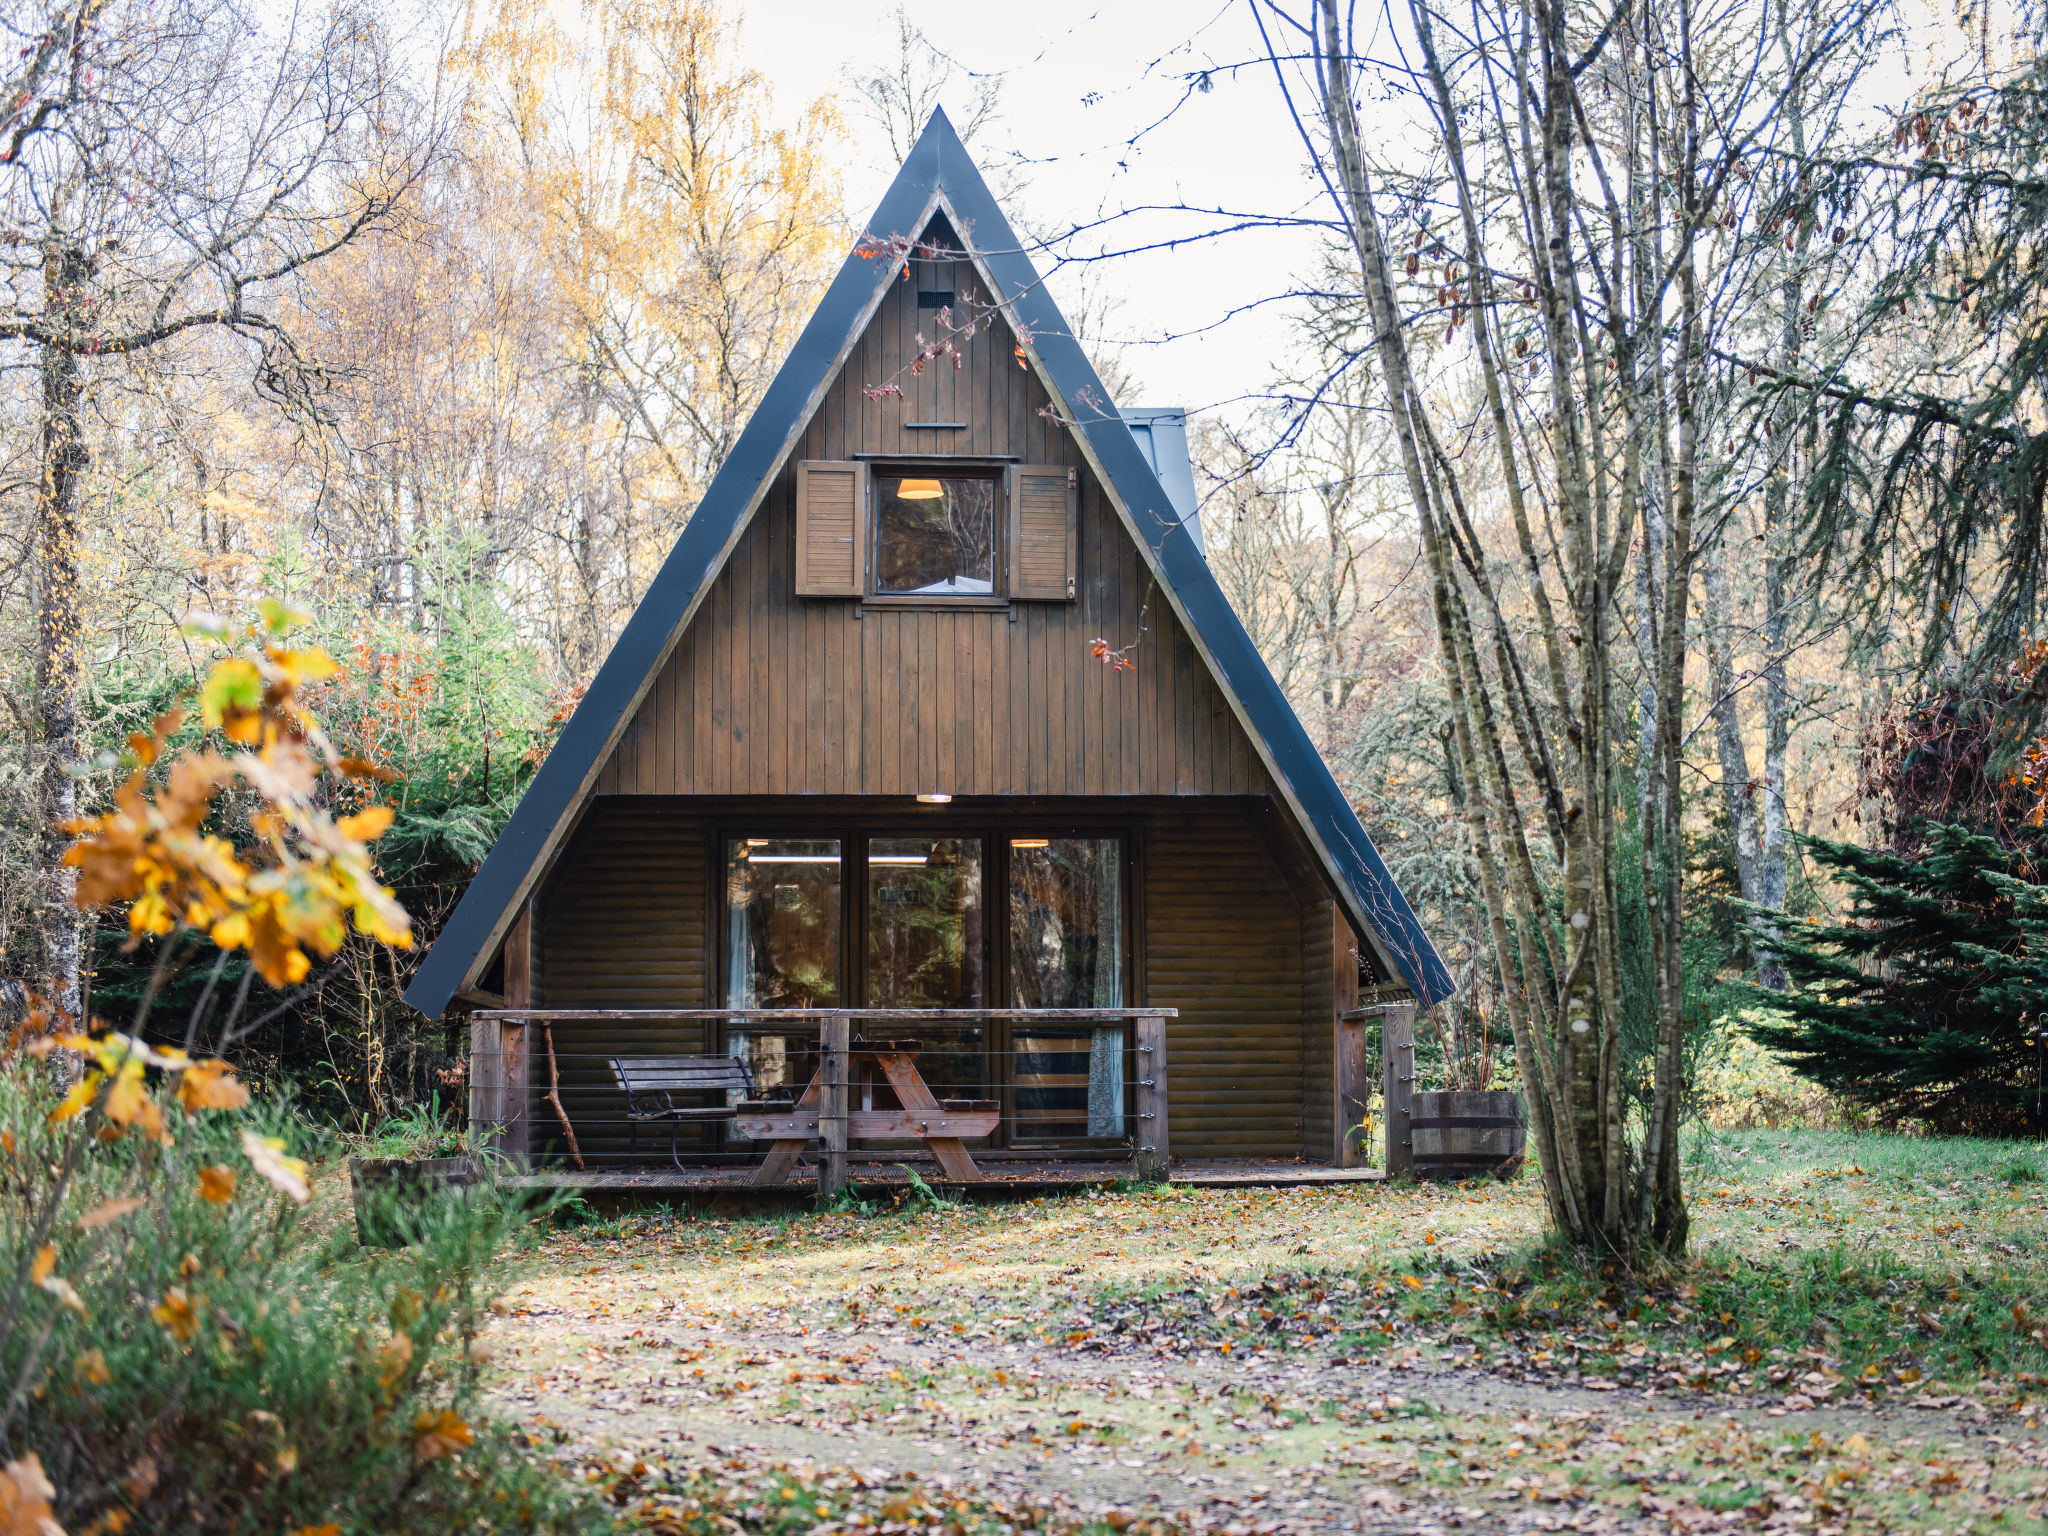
941,1124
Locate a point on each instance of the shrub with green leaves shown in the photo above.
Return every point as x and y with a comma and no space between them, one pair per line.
182,1351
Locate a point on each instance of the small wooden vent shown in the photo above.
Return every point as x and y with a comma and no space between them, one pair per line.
1044,530
934,298
831,526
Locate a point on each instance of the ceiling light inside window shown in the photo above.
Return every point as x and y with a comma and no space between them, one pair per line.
919,490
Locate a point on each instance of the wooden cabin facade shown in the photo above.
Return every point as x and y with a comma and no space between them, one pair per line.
936,707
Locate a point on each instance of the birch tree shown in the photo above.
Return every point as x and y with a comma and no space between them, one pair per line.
174,169
1582,216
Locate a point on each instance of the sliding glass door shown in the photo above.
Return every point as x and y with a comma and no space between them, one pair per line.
917,905
1066,950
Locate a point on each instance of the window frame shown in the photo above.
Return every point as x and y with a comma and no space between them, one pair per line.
996,471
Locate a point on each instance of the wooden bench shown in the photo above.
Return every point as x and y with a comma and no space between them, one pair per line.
651,1084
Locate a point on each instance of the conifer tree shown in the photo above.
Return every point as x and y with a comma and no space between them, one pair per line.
1926,1001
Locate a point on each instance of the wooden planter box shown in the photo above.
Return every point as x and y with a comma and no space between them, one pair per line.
386,1189
1468,1134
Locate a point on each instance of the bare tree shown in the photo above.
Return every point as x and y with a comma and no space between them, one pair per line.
175,176
1589,168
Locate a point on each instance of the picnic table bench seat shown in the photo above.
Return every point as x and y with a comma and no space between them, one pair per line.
652,1085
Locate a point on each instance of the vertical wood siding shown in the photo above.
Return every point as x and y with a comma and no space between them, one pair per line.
771,693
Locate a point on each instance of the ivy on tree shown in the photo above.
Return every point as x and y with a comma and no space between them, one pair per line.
1924,1001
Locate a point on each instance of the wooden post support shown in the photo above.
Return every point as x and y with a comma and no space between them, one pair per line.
834,1040
1397,1060
486,1081
1351,1084
1152,1141
515,1138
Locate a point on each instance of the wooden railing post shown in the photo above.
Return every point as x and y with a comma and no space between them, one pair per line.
1152,1140
515,1140
834,1042
1397,1063
486,1082
1354,1092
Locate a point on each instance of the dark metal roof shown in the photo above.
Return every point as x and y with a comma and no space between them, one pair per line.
937,174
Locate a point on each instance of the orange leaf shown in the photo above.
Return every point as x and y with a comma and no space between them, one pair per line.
217,1183
45,1264
176,1314
25,1496
210,1085
441,1434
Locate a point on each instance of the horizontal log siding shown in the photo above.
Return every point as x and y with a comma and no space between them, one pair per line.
770,693
1223,944
1224,939
622,926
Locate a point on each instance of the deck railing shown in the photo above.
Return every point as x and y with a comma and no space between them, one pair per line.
1086,1083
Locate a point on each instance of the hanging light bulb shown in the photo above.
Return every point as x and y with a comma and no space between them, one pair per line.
919,490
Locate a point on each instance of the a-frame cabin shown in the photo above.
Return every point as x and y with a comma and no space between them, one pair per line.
858,749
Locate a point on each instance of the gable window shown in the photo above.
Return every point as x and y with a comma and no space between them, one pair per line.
935,534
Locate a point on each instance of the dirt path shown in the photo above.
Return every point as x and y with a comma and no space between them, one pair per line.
971,1359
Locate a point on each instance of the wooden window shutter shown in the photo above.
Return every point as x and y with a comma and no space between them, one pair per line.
1045,519
831,528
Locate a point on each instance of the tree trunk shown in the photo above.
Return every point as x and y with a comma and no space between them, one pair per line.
59,624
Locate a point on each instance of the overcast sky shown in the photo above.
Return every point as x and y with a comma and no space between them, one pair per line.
1081,79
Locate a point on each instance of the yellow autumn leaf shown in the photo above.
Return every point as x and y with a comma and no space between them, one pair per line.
1411,1282
217,1183
366,825
77,1099
286,1174
310,665
441,1434
44,1264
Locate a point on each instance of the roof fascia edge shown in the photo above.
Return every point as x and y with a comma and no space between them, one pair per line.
1113,427
526,868
573,812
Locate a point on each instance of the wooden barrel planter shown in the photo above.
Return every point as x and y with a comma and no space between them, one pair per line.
1468,1134
387,1189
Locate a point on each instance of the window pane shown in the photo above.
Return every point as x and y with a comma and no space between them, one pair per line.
935,535
1066,922
781,923
1070,1082
924,922
1066,951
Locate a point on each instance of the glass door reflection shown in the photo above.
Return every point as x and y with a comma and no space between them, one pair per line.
1066,933
926,945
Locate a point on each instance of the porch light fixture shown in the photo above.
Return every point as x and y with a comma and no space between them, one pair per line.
919,490
935,797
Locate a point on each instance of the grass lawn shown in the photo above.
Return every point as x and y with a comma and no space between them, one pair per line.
1856,1343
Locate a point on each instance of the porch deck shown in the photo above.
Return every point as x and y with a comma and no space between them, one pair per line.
1005,1177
